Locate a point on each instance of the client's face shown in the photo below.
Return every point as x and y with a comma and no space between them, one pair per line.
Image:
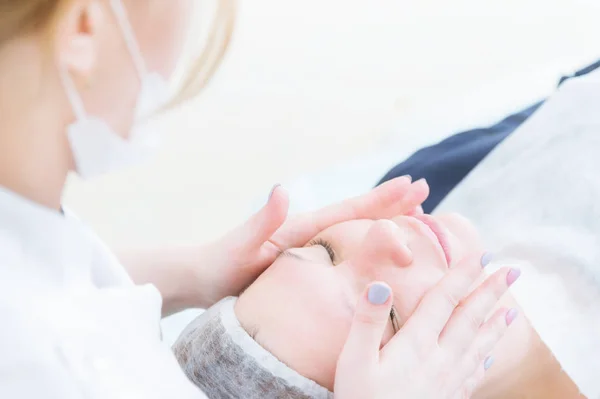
301,308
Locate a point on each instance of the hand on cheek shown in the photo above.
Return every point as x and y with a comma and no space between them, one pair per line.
383,246
385,256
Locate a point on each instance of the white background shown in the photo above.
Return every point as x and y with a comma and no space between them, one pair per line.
310,83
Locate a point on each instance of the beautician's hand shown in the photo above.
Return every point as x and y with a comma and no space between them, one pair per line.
440,352
236,260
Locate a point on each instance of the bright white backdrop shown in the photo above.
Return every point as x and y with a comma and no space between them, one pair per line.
309,84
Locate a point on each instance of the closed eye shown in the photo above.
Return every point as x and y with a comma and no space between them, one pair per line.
325,244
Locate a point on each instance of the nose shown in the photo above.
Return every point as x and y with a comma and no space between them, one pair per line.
383,245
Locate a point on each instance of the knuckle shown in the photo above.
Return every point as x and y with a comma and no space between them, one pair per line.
470,320
451,299
499,325
498,284
445,360
477,358
474,360
496,329
462,280
466,392
472,384
425,344
470,266
369,319
488,295
495,335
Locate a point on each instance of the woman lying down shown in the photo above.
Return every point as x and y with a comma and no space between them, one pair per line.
282,337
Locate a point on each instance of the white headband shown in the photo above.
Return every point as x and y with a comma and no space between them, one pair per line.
220,357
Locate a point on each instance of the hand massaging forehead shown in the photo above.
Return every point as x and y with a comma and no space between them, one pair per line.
219,356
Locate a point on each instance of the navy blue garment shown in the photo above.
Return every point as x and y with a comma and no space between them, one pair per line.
447,163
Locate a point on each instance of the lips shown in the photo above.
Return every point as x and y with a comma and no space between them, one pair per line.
439,233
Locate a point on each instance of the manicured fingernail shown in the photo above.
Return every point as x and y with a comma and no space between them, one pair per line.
422,180
486,259
275,187
379,294
511,315
409,177
512,276
489,362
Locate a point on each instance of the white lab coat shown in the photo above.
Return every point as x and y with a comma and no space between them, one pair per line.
536,201
72,323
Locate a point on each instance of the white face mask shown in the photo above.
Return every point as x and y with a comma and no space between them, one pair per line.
96,147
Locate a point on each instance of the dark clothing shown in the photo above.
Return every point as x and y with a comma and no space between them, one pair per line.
447,163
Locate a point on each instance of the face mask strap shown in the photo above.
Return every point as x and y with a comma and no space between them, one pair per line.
130,40
73,95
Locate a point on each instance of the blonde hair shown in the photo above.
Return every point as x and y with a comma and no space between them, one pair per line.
19,17
204,66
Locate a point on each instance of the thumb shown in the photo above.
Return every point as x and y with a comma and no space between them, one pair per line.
370,320
263,224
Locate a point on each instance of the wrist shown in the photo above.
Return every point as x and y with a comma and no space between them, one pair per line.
177,278
178,272
188,268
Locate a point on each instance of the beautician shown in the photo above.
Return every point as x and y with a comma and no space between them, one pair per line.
78,79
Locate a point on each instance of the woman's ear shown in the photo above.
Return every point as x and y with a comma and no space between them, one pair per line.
78,35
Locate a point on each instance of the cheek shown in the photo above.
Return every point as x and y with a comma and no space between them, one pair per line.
410,285
310,340
302,316
412,282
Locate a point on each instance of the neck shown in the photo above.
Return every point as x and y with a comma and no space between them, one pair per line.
34,153
539,375
526,368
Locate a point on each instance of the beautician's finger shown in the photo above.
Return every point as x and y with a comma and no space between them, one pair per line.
477,358
394,197
263,224
417,211
371,317
391,198
410,203
437,306
468,389
489,335
468,317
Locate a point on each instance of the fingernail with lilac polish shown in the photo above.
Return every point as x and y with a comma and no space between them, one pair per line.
489,362
378,294
512,276
511,315
486,259
275,187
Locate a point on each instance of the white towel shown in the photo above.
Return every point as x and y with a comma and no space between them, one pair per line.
536,200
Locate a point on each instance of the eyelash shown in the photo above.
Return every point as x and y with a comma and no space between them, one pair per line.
320,242
394,319
324,244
